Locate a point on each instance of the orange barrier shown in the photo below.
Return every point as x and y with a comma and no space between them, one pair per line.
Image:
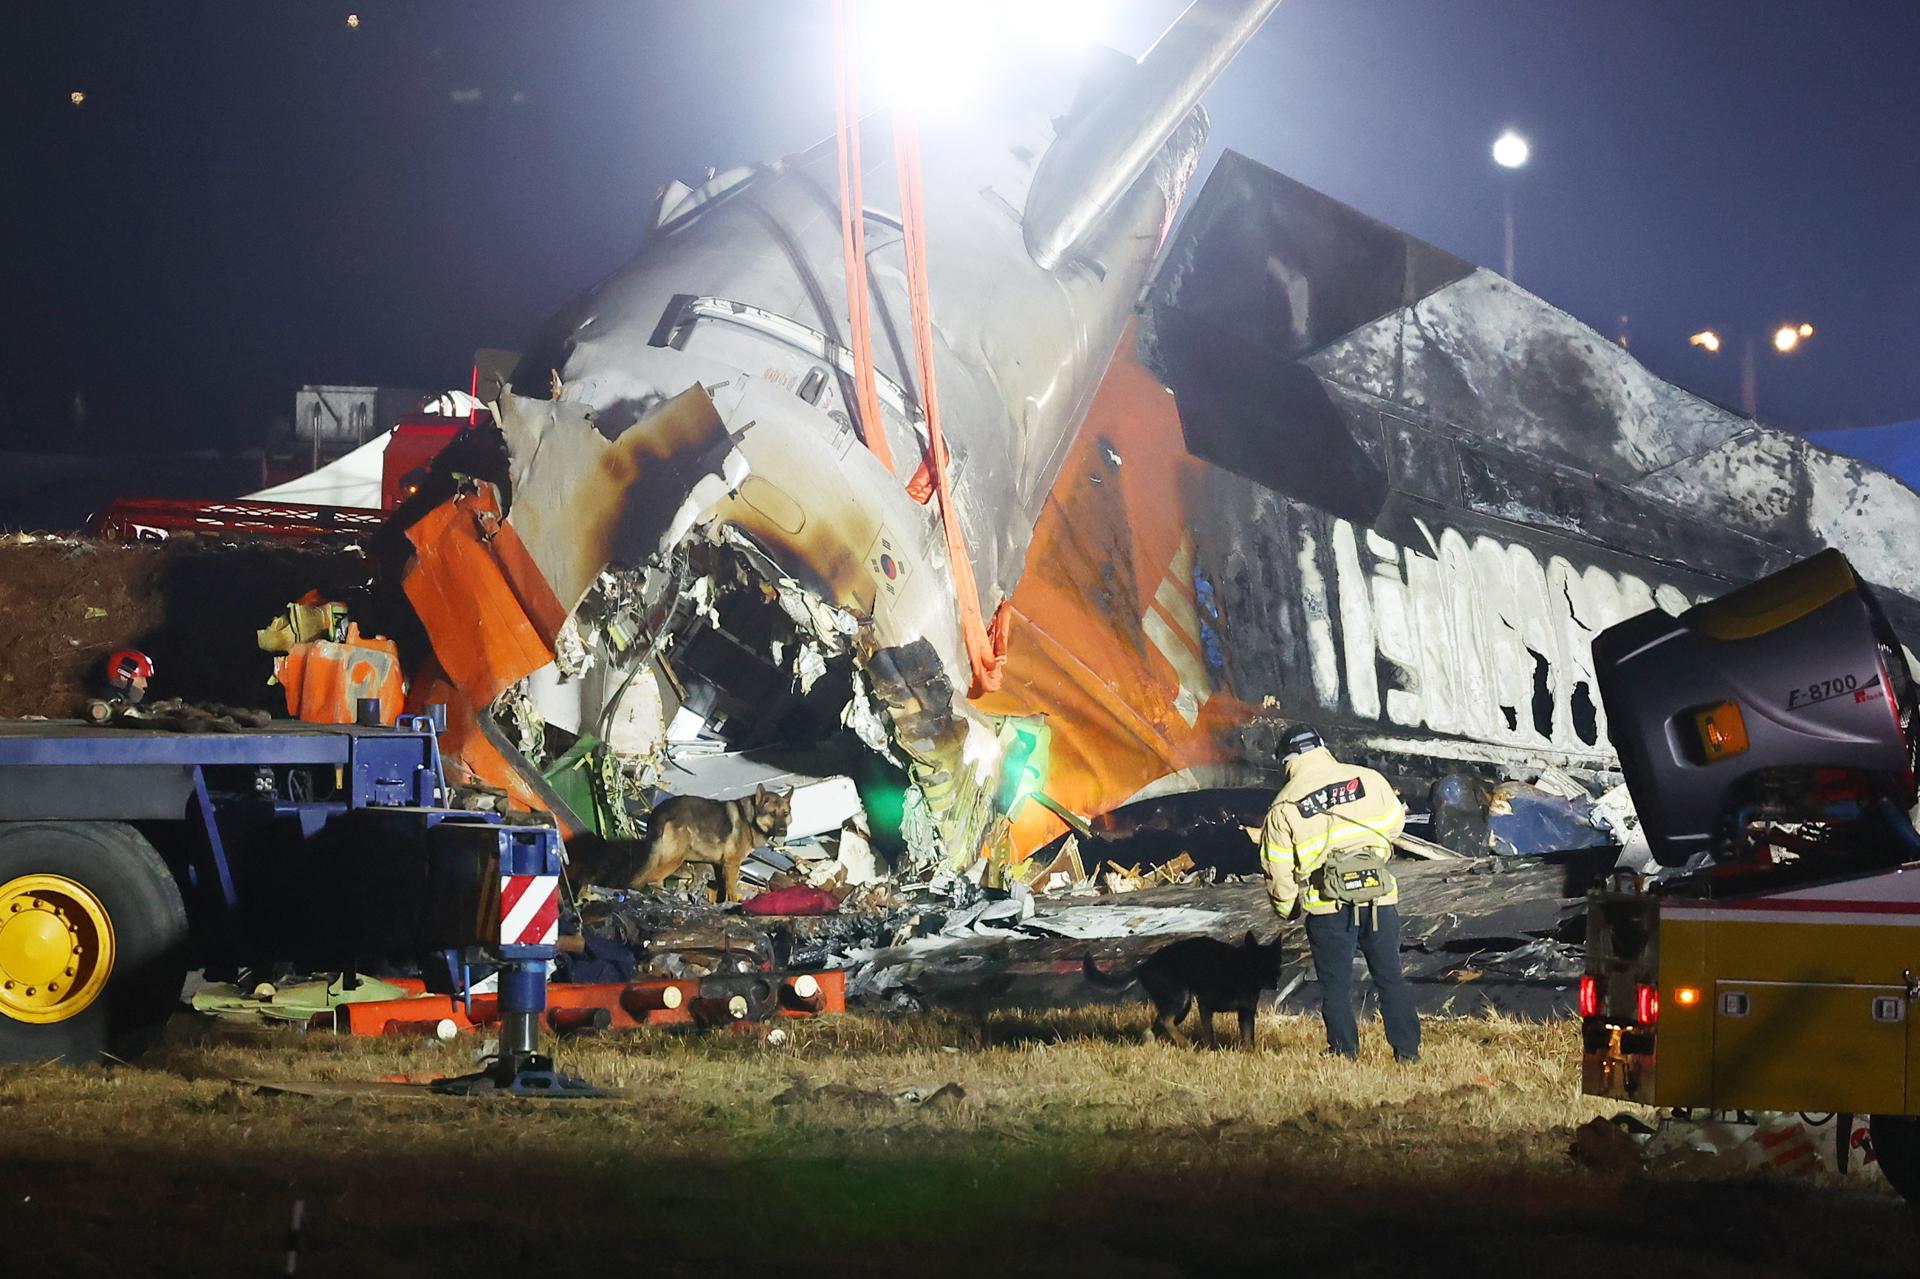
324,681
373,1018
574,1006
489,613
827,997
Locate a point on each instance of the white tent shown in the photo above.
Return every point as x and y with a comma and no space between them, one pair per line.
352,480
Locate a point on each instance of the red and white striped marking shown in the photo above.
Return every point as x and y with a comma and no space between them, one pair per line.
529,910
1786,1145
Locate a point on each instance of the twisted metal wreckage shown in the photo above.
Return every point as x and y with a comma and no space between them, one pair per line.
1290,464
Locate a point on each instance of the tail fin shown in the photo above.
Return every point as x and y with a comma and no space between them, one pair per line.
1098,978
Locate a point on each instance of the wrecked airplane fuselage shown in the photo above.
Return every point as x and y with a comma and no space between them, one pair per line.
691,423
1325,472
1343,476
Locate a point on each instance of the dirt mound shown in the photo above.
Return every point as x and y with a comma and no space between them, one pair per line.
192,606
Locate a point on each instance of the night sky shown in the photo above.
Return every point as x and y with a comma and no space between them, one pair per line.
254,195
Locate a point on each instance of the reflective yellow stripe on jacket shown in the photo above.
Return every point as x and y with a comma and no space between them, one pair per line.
1293,845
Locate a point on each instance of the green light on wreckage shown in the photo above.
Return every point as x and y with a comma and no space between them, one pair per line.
886,805
1023,773
1024,769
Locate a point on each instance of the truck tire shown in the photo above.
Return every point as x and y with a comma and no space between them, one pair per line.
1896,1145
93,942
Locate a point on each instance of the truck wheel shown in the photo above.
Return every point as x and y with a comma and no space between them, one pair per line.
93,942
1896,1145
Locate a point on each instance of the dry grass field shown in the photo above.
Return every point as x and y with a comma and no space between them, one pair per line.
1076,1149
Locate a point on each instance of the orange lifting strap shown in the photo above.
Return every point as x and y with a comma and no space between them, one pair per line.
853,233
986,643
986,646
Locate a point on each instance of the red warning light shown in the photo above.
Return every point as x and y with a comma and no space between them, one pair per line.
1646,1005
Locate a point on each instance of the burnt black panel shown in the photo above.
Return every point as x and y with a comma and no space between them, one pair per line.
1263,255
1497,484
1269,420
1425,462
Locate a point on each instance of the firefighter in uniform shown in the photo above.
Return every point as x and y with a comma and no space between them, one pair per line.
1324,850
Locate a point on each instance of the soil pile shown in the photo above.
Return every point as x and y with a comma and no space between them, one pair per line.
191,605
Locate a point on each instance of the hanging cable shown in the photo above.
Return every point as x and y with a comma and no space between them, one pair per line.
986,645
853,230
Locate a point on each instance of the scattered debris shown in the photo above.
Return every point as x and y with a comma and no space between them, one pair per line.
1615,810
802,1091
267,1004
1728,1143
800,899
1524,820
1761,1141
170,714
1609,1146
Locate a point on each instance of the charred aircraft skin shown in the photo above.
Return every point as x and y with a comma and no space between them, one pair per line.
1390,494
1325,472
701,395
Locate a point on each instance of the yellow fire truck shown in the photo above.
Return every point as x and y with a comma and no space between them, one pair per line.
1767,740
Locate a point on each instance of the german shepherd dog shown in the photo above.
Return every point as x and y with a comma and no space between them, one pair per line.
1217,976
719,832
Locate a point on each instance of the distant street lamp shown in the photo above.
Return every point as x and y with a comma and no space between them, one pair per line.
1510,152
1786,340
1788,336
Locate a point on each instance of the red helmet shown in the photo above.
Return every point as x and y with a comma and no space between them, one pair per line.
129,664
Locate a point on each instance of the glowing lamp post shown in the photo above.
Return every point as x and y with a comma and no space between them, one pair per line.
1786,340
1510,152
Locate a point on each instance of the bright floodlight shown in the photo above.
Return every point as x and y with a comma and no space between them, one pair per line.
1510,150
1067,22
353,20
936,56
77,97
1785,338
1806,330
1707,339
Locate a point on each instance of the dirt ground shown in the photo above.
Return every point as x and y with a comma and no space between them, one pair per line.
191,605
1076,1149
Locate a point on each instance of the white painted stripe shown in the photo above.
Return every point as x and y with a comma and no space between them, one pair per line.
1181,567
1185,662
1357,642
541,891
1179,609
1487,752
1322,654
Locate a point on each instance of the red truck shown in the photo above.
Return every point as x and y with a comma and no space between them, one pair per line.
412,445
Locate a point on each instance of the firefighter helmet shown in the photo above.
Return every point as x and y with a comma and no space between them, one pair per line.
1298,741
128,665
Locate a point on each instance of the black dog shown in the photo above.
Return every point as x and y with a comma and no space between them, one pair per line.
1200,969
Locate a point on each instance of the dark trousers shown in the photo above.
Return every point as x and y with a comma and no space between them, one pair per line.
1333,939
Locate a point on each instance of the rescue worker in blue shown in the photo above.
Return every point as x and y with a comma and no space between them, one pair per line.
1325,850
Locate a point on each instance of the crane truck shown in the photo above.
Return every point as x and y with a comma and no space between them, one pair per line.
128,854
1768,961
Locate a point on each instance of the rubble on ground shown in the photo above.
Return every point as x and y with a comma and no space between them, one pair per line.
1489,932
1479,936
1728,1144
